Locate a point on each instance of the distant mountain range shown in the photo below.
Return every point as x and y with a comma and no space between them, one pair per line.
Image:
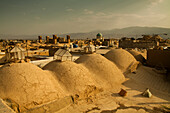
136,32
125,32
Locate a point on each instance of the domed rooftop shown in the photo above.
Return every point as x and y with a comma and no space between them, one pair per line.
138,55
28,85
121,58
99,34
105,72
73,77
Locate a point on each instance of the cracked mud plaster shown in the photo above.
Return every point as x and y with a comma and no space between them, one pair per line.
28,85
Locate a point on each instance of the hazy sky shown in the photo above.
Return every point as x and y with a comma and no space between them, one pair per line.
63,16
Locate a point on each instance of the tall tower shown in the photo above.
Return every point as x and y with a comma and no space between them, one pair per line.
47,39
54,39
68,39
58,39
40,39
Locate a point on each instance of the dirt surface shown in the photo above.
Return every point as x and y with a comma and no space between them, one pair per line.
134,102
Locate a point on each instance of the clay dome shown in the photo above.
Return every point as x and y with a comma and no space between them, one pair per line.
121,58
138,55
73,77
105,72
28,85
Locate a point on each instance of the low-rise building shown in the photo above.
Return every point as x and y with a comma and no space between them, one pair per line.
62,55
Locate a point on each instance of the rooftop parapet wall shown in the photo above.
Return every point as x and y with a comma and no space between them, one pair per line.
158,58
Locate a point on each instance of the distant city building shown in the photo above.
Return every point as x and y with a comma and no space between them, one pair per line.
152,38
89,49
146,42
